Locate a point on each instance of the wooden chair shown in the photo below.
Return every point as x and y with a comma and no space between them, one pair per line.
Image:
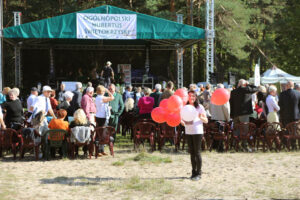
9,140
143,131
269,133
29,141
167,132
55,138
127,120
246,132
293,134
76,142
103,136
219,132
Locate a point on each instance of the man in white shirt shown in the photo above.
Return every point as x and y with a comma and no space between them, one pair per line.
31,98
42,102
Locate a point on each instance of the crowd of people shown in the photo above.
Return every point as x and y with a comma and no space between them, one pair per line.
104,105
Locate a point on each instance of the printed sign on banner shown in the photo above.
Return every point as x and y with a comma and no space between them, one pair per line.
106,26
126,68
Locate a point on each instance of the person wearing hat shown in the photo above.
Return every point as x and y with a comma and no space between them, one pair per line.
30,100
42,103
107,74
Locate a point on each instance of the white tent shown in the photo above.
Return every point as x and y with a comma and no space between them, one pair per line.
275,75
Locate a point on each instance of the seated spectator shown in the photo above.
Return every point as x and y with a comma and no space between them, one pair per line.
3,126
4,94
14,111
80,119
146,104
59,123
66,104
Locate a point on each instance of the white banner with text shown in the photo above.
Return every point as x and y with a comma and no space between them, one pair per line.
106,26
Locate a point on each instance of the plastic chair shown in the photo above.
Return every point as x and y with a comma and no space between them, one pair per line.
220,132
103,136
55,138
167,132
293,134
29,140
269,133
246,132
143,131
9,140
89,142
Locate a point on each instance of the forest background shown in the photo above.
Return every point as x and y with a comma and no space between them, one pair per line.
273,27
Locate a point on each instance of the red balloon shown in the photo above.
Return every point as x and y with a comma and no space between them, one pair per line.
164,103
173,119
220,96
174,103
183,94
159,115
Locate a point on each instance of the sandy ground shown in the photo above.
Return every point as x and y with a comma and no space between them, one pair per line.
225,176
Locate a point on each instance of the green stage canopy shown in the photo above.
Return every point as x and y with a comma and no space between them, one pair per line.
64,27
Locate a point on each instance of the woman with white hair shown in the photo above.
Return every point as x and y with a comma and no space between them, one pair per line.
66,104
14,111
272,105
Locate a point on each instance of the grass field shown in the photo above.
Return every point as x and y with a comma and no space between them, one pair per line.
158,175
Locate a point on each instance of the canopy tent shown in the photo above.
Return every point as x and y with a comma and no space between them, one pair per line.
61,33
151,30
275,75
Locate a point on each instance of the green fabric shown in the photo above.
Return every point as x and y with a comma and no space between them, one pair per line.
64,26
117,105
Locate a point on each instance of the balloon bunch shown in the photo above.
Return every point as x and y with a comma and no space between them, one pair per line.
169,109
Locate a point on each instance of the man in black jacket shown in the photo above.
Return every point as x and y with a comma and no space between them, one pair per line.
76,100
241,102
289,103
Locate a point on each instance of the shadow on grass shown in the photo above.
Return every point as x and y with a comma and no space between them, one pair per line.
86,181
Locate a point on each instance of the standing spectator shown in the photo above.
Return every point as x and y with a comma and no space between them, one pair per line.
88,105
206,97
146,104
102,105
76,100
103,110
4,94
137,95
289,103
66,104
156,94
117,107
261,107
272,105
30,100
222,112
297,87
241,102
107,73
194,133
128,93
14,110
89,84
60,96
53,101
3,126
169,91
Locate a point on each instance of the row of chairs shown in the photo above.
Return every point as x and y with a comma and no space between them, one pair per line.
259,134
26,139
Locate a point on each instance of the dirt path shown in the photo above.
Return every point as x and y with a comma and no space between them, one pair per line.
226,176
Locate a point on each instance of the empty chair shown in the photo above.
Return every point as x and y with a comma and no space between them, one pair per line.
219,133
143,131
167,132
104,135
244,132
269,133
9,140
293,134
